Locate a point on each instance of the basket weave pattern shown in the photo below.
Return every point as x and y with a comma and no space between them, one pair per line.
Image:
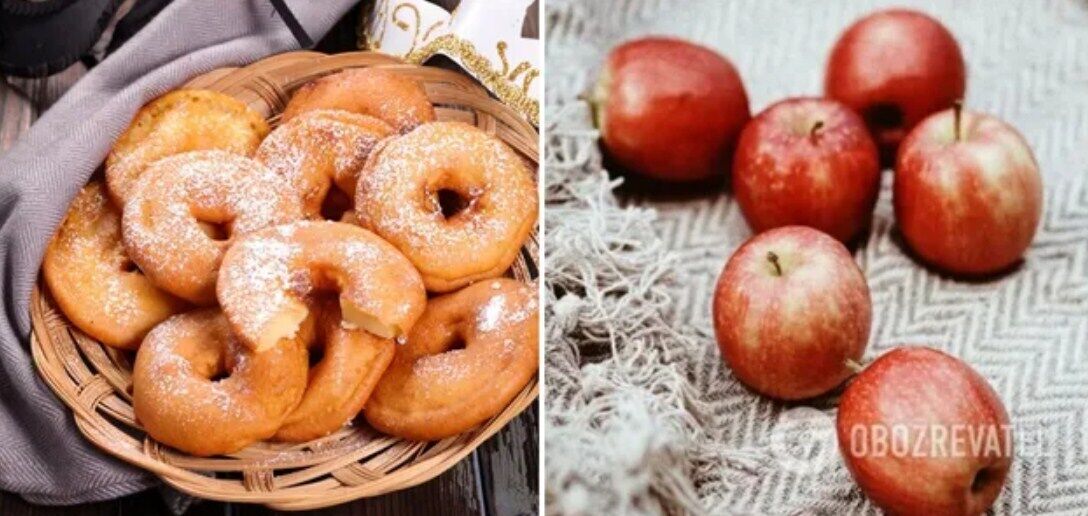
354,462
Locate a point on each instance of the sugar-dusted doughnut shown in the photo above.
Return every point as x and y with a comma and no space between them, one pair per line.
319,148
395,98
180,121
92,279
164,222
402,196
196,388
340,383
268,276
433,389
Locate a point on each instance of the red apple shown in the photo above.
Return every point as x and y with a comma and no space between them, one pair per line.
669,110
809,162
923,433
895,67
968,196
790,309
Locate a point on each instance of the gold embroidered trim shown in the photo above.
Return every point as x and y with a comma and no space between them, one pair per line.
502,82
504,85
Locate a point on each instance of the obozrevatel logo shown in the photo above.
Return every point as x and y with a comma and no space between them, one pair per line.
931,440
803,441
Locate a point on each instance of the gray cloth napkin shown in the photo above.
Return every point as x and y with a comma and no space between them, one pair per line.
42,455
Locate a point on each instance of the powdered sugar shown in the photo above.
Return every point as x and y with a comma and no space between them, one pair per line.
319,147
180,121
490,314
180,401
162,230
258,284
433,394
497,312
275,270
397,192
88,271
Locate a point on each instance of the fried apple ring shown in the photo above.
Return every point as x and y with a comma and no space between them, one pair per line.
182,120
395,98
433,390
341,382
402,192
268,276
92,279
181,400
164,222
319,148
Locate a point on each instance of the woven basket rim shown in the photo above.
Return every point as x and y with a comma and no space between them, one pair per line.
91,379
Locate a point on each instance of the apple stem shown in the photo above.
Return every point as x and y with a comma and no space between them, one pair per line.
591,101
957,116
773,258
853,366
815,130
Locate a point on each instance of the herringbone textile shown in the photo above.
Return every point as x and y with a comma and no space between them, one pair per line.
643,417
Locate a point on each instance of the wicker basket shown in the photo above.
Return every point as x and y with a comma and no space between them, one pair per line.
95,380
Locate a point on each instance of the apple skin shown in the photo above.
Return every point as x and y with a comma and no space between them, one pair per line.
788,170
669,110
788,334
895,67
909,385
969,206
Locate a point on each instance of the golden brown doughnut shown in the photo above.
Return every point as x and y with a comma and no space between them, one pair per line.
318,148
267,277
433,390
180,121
181,400
162,227
92,279
399,194
341,382
395,98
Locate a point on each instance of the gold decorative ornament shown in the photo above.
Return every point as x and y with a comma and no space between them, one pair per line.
482,36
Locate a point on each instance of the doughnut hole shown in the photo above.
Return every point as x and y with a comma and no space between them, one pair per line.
322,303
217,222
453,197
317,354
212,363
336,204
456,342
128,265
220,232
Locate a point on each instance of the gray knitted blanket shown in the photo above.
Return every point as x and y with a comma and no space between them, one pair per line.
642,415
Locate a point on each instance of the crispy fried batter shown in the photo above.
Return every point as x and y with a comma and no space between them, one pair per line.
183,120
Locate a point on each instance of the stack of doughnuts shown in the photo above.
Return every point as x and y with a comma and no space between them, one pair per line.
276,283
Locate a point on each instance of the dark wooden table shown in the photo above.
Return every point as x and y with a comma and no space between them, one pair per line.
500,477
